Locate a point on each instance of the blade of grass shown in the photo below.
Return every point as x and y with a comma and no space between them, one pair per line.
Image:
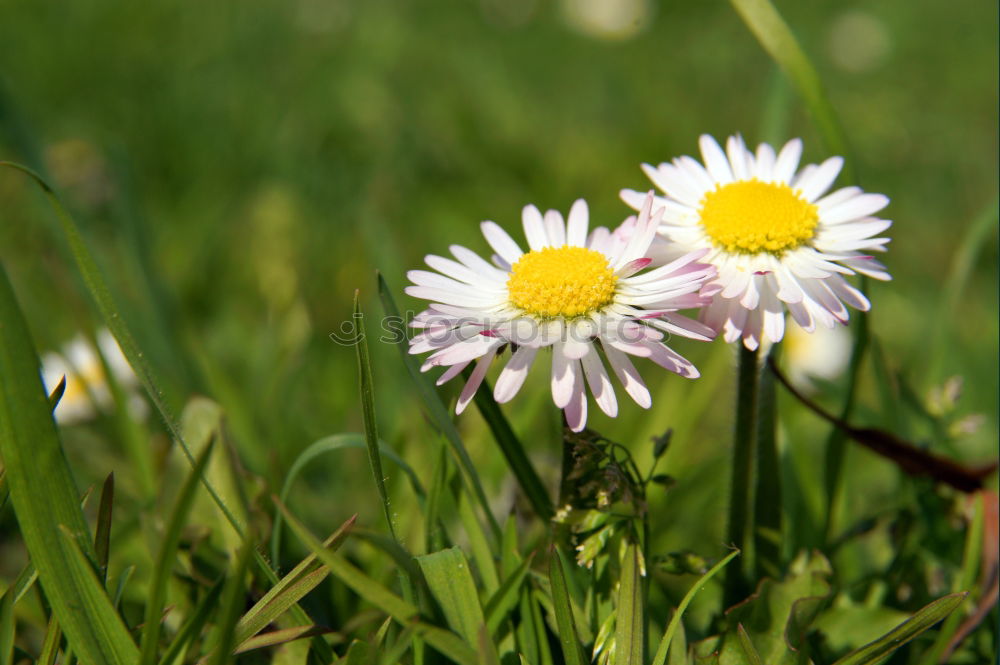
193,625
233,594
282,636
437,411
675,620
7,628
777,39
297,583
403,612
930,614
565,622
630,618
503,602
45,498
109,311
513,451
50,646
102,535
330,444
156,596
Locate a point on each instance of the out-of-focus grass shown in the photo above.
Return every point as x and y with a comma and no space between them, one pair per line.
242,168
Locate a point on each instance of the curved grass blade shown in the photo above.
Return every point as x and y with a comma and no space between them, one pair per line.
437,411
102,535
165,559
193,625
446,642
282,636
45,499
331,444
568,637
930,614
503,602
675,620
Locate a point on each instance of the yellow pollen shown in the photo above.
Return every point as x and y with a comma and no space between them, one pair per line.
750,217
561,281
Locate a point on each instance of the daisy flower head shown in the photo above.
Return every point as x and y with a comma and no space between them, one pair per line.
777,238
575,295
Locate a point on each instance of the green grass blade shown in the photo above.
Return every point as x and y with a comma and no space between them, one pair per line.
102,535
45,498
282,636
297,583
403,612
503,602
675,621
630,620
437,411
193,625
777,39
233,594
156,596
513,451
50,646
568,637
930,614
326,445
7,627
450,581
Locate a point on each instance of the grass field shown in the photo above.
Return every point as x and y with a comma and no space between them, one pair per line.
238,171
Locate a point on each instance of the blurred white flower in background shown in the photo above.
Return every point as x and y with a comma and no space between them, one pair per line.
87,390
858,41
822,354
614,20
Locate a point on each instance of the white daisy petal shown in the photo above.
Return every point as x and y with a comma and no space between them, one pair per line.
576,410
576,224
600,384
788,161
716,161
628,376
534,228
821,179
502,243
555,228
859,206
514,373
475,380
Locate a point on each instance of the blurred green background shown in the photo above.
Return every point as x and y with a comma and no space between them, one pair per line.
241,168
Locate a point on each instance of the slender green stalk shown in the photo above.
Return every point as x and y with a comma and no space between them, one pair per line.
741,498
767,501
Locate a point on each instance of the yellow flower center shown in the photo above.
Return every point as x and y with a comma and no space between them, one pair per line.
750,217
561,281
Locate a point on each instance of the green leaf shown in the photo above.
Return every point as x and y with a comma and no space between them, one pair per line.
403,612
50,646
437,411
746,646
45,499
675,621
297,583
7,623
630,620
165,558
450,581
929,615
566,623
503,602
778,613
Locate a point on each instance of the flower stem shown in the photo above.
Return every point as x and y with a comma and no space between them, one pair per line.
741,498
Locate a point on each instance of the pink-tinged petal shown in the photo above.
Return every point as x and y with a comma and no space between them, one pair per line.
820,293
475,380
788,161
575,348
632,267
736,320
600,384
848,293
737,285
628,376
679,324
555,229
534,228
752,329
600,240
576,410
670,360
789,290
642,236
715,160
576,224
461,272
462,351
562,377
815,183
751,296
451,373
867,265
501,242
800,312
514,373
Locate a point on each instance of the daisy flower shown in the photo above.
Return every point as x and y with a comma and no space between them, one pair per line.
87,391
577,295
777,239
